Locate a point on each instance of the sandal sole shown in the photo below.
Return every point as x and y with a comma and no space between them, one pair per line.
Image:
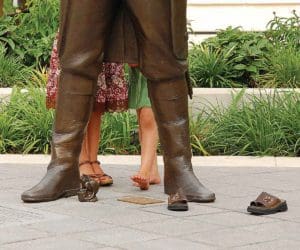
282,207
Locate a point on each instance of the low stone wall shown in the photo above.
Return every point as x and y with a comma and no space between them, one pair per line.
204,97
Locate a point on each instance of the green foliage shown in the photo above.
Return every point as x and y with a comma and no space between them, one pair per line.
12,71
284,31
248,50
8,7
211,68
29,120
116,136
267,125
7,28
283,69
30,35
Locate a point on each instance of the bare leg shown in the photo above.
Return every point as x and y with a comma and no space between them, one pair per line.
94,137
148,136
84,159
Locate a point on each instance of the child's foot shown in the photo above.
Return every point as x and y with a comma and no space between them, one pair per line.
154,176
155,179
140,180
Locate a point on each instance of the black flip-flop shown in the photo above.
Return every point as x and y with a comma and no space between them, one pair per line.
178,202
267,204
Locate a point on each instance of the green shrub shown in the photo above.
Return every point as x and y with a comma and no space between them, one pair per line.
30,121
248,51
265,126
117,132
284,31
211,68
31,34
283,69
12,71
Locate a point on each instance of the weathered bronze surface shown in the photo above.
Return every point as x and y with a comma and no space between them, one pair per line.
88,189
151,33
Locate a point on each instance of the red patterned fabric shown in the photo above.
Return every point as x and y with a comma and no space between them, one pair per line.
112,91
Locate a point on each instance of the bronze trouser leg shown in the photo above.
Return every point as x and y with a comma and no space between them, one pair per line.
84,25
161,27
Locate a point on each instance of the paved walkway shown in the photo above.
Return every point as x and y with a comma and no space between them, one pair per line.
111,224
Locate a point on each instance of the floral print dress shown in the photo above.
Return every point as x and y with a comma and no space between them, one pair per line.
112,88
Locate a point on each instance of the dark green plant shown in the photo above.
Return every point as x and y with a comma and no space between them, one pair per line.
283,69
248,53
32,33
211,68
266,125
284,31
7,28
12,71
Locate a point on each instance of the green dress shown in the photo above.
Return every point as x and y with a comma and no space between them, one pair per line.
138,91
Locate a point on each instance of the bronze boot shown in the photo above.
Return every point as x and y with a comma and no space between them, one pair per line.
170,106
73,108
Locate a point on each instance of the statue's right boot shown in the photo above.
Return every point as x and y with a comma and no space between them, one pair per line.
74,105
170,106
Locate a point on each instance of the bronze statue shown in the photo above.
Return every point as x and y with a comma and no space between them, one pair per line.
151,33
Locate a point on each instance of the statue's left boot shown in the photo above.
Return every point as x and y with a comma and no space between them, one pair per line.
170,105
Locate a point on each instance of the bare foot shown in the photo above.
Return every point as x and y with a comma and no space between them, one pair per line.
154,176
140,180
155,179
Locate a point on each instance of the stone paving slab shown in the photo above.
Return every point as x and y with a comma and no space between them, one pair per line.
111,224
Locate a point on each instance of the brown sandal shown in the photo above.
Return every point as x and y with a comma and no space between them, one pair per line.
267,204
103,179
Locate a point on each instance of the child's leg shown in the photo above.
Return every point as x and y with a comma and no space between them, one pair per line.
148,140
154,174
93,135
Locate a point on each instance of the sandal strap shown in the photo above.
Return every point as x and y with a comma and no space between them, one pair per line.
266,200
84,162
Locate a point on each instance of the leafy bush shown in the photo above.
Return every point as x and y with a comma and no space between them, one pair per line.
284,31
30,122
248,50
211,68
12,71
265,126
31,34
283,69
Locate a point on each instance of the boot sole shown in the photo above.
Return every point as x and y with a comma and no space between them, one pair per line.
197,200
65,194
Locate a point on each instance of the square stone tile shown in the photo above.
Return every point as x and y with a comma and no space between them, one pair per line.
230,237
282,230
168,244
273,245
176,227
55,243
232,219
11,234
115,237
70,225
13,215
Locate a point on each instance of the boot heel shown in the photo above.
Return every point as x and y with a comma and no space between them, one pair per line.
71,192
